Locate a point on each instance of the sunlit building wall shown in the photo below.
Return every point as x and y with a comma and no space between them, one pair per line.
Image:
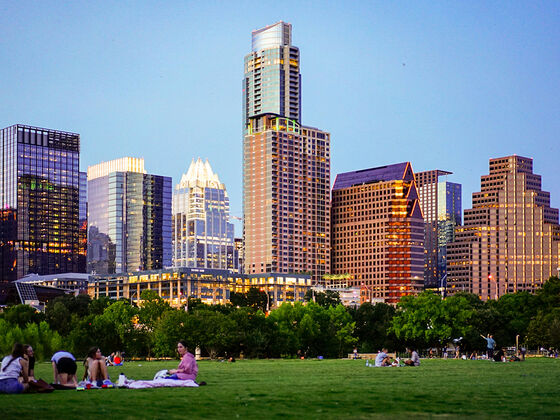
286,165
40,202
509,240
203,237
378,231
129,216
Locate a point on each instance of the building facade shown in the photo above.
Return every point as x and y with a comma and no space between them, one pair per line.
378,231
509,240
210,285
286,166
440,202
40,200
203,237
129,217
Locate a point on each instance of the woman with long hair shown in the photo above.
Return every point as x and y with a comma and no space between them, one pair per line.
13,366
187,369
96,368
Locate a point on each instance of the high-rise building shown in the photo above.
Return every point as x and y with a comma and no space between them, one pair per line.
40,200
286,166
378,231
129,217
202,233
272,78
509,240
440,202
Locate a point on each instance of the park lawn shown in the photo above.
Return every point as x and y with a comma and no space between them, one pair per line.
312,389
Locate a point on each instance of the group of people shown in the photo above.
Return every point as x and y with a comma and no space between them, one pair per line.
384,360
17,369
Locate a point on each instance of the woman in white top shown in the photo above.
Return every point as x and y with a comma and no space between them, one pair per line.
14,366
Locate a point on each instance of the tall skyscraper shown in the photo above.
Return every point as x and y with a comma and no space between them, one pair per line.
129,217
272,79
509,241
202,233
440,202
286,166
40,202
378,231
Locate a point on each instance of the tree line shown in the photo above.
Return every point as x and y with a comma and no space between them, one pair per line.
321,326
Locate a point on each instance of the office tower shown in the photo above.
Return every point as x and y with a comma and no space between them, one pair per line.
286,166
509,241
39,193
202,233
378,231
440,202
272,79
129,216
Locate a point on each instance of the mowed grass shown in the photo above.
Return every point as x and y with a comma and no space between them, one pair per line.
325,389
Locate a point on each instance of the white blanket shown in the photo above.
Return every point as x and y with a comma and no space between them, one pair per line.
160,383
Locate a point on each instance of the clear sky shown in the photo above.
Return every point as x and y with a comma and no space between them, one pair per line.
446,85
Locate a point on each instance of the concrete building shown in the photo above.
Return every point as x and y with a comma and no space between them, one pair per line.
40,202
509,240
202,234
378,231
129,217
286,166
440,201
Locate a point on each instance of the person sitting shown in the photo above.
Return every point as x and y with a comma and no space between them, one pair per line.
414,358
64,369
96,368
188,368
30,357
13,366
117,359
382,359
500,356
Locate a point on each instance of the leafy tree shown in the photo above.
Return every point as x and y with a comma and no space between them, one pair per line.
373,327
325,299
21,315
169,329
213,331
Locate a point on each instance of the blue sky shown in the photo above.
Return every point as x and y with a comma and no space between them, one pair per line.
445,85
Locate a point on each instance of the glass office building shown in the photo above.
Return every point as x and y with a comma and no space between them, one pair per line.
129,217
202,233
40,202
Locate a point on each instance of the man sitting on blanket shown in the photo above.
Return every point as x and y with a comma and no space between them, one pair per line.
382,359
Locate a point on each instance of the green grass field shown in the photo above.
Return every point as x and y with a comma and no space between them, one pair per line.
312,389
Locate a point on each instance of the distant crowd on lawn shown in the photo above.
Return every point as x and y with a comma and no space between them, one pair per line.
17,371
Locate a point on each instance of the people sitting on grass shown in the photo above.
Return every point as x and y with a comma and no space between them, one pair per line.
500,355
188,368
382,359
414,358
13,366
64,369
96,369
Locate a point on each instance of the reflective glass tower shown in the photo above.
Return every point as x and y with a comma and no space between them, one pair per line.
202,233
440,202
40,202
286,165
272,78
129,217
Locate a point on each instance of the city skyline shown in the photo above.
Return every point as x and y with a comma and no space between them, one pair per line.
455,79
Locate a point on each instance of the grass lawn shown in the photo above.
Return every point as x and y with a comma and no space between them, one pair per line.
312,389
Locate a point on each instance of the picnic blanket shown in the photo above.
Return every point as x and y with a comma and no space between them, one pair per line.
160,383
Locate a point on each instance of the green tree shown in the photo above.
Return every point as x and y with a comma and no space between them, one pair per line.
21,315
373,327
324,299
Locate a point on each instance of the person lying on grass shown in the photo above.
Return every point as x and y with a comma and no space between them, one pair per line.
64,369
96,368
13,366
187,369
